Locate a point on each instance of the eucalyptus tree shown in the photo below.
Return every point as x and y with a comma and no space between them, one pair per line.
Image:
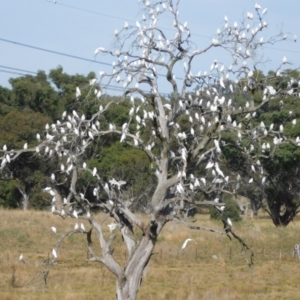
16,129
186,159
274,158
65,85
5,100
35,93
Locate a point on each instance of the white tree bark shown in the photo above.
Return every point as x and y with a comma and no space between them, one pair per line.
129,284
25,196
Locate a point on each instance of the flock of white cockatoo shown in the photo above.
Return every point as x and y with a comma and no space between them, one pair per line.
208,107
147,57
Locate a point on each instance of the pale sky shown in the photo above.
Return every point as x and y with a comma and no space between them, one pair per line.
78,27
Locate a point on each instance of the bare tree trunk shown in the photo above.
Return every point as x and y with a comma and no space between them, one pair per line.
282,220
25,195
128,285
25,202
281,212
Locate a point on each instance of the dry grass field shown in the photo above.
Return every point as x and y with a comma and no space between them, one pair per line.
214,268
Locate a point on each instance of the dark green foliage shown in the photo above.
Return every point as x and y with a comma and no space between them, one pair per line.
26,108
125,163
231,211
9,194
17,128
36,94
66,86
118,114
38,199
281,166
214,213
5,101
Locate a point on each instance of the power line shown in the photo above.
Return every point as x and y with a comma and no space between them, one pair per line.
106,87
90,11
54,52
114,17
285,50
26,71
77,57
119,18
11,72
110,87
64,54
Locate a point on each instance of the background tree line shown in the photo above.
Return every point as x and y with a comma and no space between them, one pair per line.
34,101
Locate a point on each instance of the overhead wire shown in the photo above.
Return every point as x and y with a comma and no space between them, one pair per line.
15,69
12,72
54,52
132,21
283,50
91,60
60,53
90,11
114,17
26,72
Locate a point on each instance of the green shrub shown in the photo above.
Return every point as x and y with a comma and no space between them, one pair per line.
231,211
